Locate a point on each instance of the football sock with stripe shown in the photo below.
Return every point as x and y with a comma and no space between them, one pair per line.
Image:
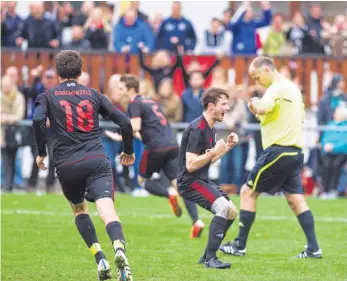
215,236
306,221
86,228
246,221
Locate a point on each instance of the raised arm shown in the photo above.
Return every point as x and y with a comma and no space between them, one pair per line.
267,15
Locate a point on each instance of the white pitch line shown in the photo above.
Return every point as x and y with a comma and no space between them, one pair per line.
158,216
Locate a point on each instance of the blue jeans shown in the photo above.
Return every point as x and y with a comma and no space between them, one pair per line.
342,186
138,150
232,167
112,148
18,178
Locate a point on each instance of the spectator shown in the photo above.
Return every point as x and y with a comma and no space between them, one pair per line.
334,148
156,22
136,5
299,36
316,24
276,38
336,36
86,9
84,79
78,41
176,30
219,78
161,65
192,106
39,31
193,66
112,147
12,24
49,80
233,163
226,17
215,40
169,101
243,26
12,110
333,98
146,89
129,32
66,14
97,30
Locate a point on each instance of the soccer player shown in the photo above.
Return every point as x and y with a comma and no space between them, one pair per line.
199,149
281,112
161,149
79,157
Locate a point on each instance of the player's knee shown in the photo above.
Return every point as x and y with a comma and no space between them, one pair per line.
222,208
233,212
80,208
246,192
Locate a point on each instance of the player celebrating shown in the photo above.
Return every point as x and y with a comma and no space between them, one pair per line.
281,112
198,150
81,164
161,153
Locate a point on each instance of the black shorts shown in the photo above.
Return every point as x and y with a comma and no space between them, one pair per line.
278,168
203,193
90,178
165,159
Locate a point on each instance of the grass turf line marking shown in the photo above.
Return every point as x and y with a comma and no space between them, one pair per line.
159,216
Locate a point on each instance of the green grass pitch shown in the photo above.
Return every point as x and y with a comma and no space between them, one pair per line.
41,242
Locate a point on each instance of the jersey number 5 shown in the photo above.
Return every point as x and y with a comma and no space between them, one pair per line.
160,115
84,109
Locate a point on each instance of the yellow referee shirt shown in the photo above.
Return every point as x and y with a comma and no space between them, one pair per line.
282,123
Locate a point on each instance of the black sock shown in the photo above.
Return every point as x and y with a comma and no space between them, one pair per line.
307,223
115,232
246,221
228,224
192,210
215,236
86,228
156,189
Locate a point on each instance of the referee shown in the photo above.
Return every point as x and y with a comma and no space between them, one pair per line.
281,114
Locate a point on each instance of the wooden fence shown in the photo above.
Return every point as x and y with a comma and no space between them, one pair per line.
101,66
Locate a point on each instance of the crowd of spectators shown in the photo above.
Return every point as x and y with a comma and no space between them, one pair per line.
169,39
235,32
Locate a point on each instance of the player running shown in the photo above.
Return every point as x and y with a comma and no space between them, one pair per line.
161,149
199,149
79,157
281,112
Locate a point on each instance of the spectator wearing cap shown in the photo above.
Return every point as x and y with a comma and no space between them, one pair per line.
176,29
37,30
243,26
48,81
333,98
129,32
11,24
215,39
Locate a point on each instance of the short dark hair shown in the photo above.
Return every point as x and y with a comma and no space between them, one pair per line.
131,82
68,64
263,61
213,95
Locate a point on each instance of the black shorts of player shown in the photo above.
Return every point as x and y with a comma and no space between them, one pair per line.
203,193
278,169
90,178
165,159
